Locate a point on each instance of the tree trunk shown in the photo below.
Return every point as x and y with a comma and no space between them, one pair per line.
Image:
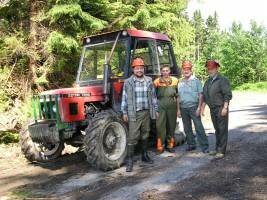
34,8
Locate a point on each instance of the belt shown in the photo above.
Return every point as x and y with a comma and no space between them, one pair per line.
215,106
161,97
145,109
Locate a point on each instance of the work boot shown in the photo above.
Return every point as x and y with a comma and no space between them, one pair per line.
145,156
205,150
129,165
170,147
130,153
171,150
160,147
190,148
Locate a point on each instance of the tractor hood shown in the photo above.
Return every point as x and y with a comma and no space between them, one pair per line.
96,90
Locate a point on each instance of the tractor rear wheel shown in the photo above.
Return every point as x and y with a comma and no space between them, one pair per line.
105,142
39,152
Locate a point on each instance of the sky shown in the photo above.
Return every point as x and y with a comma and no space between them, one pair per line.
232,10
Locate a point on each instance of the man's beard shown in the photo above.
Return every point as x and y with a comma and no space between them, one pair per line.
139,76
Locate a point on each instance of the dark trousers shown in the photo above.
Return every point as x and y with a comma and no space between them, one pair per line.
189,115
221,128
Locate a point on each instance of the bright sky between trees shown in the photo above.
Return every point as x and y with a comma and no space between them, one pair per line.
232,10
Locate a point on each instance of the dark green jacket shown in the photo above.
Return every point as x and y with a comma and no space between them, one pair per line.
217,91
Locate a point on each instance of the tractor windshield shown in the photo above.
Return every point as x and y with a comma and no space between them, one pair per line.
95,56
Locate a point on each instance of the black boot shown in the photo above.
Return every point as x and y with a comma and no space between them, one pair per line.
130,153
145,157
171,150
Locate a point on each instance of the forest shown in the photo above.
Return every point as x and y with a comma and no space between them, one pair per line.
40,45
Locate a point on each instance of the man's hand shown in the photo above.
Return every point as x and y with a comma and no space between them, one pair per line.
198,111
157,115
224,111
125,118
179,114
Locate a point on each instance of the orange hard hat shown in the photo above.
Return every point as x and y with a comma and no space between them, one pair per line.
187,65
138,62
212,64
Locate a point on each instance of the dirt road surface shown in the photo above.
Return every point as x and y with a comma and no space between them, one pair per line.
242,174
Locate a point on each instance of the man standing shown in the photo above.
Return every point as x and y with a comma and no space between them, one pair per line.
166,89
139,103
217,94
189,103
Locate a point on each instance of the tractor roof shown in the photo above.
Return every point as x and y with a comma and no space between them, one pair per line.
126,32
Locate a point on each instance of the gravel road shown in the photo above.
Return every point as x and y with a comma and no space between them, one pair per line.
242,174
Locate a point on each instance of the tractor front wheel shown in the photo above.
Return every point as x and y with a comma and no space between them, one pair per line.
39,152
105,142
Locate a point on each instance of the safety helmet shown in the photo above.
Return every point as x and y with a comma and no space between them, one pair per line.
137,62
187,65
212,64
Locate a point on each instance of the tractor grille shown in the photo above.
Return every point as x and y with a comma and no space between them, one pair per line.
45,107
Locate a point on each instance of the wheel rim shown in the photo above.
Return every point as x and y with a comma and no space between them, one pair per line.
48,149
114,141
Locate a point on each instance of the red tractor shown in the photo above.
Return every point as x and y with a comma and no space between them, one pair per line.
88,115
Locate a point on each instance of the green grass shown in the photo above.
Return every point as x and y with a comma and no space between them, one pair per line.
20,194
257,87
7,137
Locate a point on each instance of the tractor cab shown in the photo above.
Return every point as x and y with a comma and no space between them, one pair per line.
106,59
118,49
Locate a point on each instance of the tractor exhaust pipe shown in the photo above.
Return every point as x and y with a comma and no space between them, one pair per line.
107,70
106,79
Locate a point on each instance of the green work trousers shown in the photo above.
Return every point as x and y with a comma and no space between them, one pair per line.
166,123
139,128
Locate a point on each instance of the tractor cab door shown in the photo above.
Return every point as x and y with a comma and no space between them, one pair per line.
119,66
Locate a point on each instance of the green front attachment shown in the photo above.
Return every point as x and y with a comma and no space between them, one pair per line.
45,107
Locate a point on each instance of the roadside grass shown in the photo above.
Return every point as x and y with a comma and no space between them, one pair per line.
19,194
7,137
256,87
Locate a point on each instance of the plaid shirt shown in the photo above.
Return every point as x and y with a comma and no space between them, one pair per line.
141,97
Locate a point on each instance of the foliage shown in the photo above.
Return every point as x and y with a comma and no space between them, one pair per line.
40,42
259,87
200,36
241,53
7,137
13,58
244,53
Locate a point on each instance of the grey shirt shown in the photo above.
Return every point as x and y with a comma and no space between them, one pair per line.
188,92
